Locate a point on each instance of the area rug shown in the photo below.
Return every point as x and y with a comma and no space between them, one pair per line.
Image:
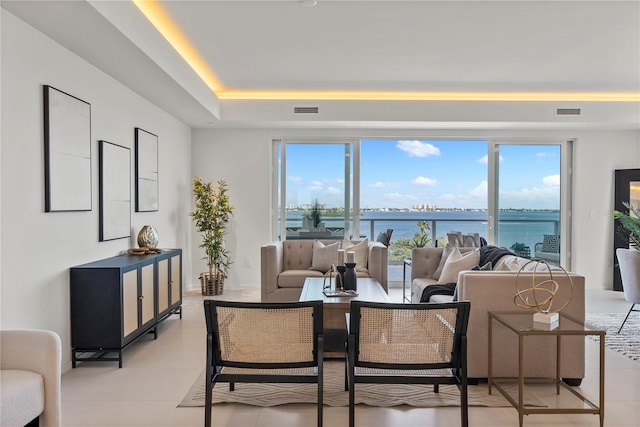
382,395
627,342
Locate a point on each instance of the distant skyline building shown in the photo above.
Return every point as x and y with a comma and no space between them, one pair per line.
424,207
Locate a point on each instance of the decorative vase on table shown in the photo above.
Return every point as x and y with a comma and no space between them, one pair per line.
148,237
350,277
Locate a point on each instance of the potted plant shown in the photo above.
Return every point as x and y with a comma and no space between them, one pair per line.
211,216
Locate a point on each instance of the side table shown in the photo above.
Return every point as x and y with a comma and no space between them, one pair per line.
405,263
521,323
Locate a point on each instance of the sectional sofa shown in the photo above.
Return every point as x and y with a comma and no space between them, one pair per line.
494,291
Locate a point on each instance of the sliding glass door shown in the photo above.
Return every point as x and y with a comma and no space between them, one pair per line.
529,204
315,189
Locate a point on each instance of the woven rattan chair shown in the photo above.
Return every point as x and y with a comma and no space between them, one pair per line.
263,343
408,344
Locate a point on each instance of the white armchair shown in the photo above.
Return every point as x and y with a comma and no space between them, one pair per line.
30,375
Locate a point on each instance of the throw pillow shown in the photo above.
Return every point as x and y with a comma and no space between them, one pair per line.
445,255
511,264
551,243
457,263
361,250
324,256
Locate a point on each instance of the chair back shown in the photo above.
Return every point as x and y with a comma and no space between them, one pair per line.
408,336
267,335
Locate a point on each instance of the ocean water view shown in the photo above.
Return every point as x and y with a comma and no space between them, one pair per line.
526,226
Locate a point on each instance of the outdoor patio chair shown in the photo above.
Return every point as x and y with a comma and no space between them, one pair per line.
392,343
251,342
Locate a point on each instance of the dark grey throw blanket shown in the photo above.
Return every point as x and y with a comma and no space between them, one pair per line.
492,254
488,254
446,289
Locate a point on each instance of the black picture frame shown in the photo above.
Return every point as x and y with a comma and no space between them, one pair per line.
115,191
67,152
146,170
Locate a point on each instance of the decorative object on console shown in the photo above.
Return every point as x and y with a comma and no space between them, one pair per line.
540,296
115,191
146,171
211,216
148,237
67,152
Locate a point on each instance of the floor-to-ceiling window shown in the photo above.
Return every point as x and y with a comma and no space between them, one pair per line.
512,194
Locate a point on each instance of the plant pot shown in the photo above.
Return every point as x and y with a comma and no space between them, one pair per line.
629,261
212,284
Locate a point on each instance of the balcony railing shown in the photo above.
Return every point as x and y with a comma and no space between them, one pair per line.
526,231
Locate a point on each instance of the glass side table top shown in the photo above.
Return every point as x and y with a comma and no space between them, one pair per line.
522,323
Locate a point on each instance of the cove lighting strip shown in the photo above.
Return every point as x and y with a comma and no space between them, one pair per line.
160,19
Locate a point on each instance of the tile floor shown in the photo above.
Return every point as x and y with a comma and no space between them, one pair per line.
157,374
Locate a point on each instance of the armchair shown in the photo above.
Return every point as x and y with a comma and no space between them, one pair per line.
30,371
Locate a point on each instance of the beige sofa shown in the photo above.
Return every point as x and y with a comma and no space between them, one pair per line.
495,291
286,264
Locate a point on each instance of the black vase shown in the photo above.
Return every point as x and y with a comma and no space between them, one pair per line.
341,270
350,277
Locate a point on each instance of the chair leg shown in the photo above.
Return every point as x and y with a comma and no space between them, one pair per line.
436,388
625,319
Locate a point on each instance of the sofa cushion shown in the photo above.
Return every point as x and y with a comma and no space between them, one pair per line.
324,256
457,263
22,396
443,259
361,250
295,278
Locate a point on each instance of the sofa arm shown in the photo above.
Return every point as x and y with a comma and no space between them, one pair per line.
271,265
37,351
378,263
495,291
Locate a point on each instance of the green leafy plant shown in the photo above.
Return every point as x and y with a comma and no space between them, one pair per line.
314,214
211,216
401,248
630,224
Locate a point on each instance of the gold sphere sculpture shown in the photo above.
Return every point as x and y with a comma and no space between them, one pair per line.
540,295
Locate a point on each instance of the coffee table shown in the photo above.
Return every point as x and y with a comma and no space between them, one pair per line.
335,308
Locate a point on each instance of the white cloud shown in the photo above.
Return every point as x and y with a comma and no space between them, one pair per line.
333,190
381,184
423,180
296,179
480,190
544,154
418,148
551,180
485,159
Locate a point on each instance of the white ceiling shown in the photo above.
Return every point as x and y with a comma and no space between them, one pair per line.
430,46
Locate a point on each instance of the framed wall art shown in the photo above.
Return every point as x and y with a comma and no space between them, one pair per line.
67,152
115,191
146,171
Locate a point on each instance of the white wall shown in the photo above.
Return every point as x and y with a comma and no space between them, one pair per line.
38,248
243,157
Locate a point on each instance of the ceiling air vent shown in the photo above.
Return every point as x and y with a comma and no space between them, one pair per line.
305,110
568,112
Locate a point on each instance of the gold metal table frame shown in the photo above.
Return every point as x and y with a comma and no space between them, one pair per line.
521,323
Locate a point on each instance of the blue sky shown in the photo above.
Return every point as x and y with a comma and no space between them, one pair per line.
448,174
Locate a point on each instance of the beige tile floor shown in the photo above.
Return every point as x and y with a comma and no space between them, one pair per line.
157,374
